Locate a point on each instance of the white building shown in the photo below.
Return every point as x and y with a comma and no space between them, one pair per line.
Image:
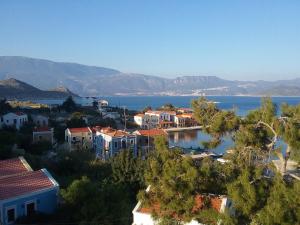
162,115
142,215
40,120
79,138
43,134
102,103
16,120
108,142
185,120
143,121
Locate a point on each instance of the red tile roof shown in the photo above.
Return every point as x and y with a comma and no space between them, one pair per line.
140,115
152,132
42,129
19,113
113,132
79,130
24,183
96,128
215,203
13,166
161,111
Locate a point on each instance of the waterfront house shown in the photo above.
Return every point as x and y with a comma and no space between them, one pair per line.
24,192
185,120
108,142
143,121
16,120
165,124
161,115
43,134
160,119
142,214
179,121
40,120
79,138
145,139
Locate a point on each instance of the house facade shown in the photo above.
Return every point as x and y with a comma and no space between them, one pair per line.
24,192
108,142
79,138
185,120
40,120
143,121
43,134
145,139
16,120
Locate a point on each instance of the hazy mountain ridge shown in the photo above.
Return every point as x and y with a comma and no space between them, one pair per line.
15,89
96,81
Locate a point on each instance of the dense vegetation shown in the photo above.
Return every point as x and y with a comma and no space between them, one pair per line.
260,194
97,192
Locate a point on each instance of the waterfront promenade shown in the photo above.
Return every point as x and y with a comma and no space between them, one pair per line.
175,129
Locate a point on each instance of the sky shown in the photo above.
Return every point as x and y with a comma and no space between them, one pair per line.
237,40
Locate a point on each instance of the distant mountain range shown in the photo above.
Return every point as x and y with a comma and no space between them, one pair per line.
15,89
98,81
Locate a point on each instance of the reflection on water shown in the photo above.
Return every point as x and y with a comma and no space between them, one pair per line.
192,139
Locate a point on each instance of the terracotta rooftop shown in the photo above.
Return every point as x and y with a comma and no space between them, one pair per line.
154,112
10,167
152,132
162,111
19,113
140,115
79,130
24,183
185,109
113,132
42,129
96,128
185,115
215,203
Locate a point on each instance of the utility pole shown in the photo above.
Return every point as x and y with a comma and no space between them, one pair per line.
124,118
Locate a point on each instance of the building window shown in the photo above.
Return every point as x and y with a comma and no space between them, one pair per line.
30,208
131,142
116,144
15,121
123,144
11,215
74,138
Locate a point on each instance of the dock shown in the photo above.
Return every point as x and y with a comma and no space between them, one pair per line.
175,129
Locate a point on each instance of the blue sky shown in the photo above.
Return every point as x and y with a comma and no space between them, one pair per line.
243,40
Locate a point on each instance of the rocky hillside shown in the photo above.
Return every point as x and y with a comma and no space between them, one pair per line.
97,81
12,88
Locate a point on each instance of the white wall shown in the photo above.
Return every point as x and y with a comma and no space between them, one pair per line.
11,119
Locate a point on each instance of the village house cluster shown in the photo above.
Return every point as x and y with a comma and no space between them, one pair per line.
181,117
17,120
107,142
